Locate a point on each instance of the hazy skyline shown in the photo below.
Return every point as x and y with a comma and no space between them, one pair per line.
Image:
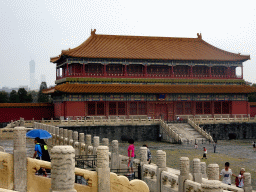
39,30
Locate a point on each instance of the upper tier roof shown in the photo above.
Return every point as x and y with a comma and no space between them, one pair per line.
144,47
131,88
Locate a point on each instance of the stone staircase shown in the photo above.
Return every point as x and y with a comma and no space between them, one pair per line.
187,132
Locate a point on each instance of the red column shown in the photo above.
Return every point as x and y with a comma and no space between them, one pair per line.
172,72
191,71
228,72
105,70
125,70
67,71
210,71
83,70
146,70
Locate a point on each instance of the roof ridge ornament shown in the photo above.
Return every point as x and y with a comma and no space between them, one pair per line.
93,31
199,35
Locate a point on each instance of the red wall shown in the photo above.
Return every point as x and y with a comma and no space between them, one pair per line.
28,113
75,108
58,109
240,107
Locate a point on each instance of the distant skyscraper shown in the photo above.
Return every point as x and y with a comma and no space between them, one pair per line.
32,67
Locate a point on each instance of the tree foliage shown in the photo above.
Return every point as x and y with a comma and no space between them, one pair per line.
252,96
14,97
42,98
3,97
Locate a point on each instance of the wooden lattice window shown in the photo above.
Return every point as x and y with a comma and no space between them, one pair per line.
207,107
100,108
142,108
91,108
179,108
188,108
199,108
217,107
112,108
133,108
121,108
225,107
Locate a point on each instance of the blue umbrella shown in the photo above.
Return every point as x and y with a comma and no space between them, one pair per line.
42,134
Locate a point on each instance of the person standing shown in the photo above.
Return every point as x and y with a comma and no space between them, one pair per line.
130,155
196,146
38,154
226,173
254,146
214,147
205,152
38,150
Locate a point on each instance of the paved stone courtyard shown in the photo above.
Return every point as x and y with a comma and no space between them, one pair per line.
238,152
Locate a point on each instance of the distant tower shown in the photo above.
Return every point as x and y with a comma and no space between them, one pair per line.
32,67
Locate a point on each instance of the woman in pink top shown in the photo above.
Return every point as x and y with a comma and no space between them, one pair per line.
130,155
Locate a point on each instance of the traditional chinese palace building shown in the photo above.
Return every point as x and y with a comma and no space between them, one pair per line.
112,75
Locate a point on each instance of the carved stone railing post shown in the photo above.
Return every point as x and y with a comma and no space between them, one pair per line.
75,136
105,142
57,133
81,144
197,174
103,169
96,143
65,137
143,158
61,140
88,140
22,122
115,162
203,169
184,172
70,137
213,172
20,159
247,182
53,136
63,169
161,166
76,144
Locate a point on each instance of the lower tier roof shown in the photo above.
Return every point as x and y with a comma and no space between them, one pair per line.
154,89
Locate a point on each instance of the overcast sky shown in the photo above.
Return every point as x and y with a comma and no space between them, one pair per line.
41,29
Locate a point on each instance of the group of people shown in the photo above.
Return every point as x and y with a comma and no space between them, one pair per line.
226,173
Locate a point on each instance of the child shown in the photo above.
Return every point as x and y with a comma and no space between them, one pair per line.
196,146
241,178
226,173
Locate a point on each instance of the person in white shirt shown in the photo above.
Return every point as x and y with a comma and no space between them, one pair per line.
241,178
226,173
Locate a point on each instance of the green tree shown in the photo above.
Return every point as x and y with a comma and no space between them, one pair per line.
252,96
34,95
43,98
14,98
3,97
22,93
29,98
